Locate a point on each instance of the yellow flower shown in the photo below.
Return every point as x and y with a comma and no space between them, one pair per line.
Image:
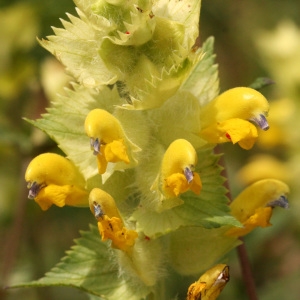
176,174
53,179
227,117
253,206
210,284
110,223
107,138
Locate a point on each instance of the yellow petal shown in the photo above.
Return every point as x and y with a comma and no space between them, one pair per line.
258,194
253,206
196,184
106,202
51,168
61,196
102,125
235,130
175,185
113,229
261,218
116,151
101,162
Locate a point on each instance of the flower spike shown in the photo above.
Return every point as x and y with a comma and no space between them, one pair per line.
210,284
107,139
253,206
53,179
109,220
227,117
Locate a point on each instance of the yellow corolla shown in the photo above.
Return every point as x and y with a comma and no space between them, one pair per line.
227,117
210,284
253,206
109,220
53,179
177,173
107,138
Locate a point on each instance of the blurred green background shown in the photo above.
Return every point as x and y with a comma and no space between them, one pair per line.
253,38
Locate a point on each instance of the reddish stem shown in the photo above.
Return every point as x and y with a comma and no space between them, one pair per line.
246,271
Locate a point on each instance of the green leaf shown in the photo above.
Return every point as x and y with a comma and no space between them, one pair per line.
260,83
195,249
91,266
203,81
209,209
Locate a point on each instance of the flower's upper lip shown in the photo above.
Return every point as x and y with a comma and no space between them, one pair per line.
34,189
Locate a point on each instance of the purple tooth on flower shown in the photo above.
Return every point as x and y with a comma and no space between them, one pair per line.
282,201
261,121
95,145
188,173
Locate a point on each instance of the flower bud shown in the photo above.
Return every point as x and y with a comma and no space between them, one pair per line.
210,284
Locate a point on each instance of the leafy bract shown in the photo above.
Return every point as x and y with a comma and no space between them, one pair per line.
209,209
77,46
91,266
203,81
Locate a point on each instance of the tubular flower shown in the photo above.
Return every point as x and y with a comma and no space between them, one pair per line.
107,139
53,179
253,206
227,117
109,220
210,284
176,174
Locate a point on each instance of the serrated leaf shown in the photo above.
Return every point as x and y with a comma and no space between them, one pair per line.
91,266
203,81
77,47
210,209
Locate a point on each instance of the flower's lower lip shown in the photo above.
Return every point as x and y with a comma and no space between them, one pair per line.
34,190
